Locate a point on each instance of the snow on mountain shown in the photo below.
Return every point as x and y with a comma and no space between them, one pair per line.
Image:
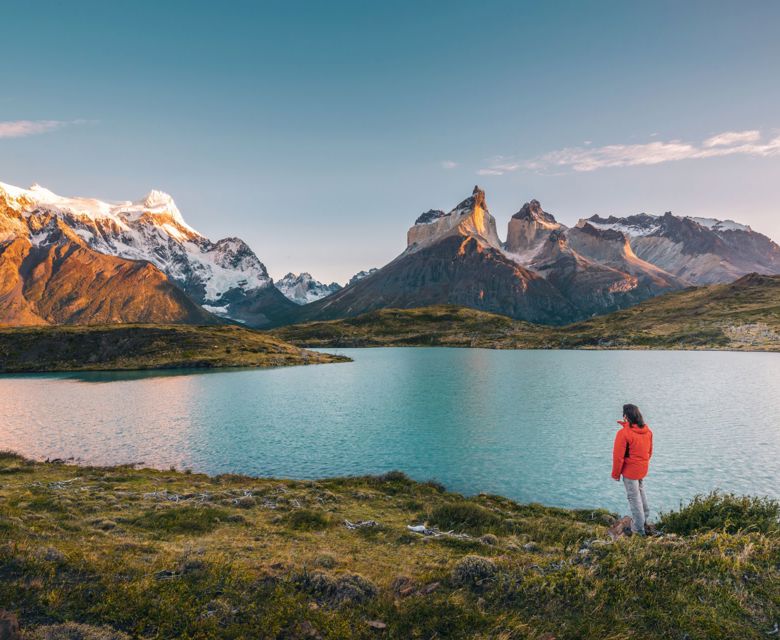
362,274
720,225
151,229
302,288
639,225
645,224
697,250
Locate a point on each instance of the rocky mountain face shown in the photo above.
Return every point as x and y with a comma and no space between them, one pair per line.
225,277
56,278
696,250
458,258
470,218
303,289
528,227
546,272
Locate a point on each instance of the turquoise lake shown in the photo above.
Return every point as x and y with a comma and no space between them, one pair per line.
536,426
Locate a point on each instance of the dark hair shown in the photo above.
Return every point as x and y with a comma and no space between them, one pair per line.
634,415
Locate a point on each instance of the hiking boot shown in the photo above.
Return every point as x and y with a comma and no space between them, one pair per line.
621,528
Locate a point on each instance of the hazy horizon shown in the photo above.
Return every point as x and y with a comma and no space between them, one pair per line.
318,133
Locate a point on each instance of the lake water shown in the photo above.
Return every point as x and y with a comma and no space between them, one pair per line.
531,425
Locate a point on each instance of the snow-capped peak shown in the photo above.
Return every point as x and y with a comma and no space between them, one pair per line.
156,198
303,288
42,191
151,229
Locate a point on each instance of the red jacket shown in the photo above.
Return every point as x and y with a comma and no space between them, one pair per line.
632,451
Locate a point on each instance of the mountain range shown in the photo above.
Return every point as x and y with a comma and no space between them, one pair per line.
85,261
740,315
545,272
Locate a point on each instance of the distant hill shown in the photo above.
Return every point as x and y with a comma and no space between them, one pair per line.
131,347
743,315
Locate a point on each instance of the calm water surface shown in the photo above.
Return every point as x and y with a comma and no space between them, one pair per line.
531,425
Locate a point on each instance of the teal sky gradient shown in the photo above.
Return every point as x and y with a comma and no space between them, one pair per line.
318,131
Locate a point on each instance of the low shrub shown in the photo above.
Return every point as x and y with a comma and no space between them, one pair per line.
723,512
350,588
473,571
308,520
489,539
6,455
466,516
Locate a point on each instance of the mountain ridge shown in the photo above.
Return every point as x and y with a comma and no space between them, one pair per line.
458,258
743,315
547,272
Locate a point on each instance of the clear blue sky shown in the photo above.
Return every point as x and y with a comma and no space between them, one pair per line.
318,131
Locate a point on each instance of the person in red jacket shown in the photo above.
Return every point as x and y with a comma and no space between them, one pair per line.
630,459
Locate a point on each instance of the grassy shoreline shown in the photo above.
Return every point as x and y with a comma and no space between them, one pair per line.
166,554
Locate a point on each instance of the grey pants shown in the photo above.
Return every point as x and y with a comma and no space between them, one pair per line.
637,500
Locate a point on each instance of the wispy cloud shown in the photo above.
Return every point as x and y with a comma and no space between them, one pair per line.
733,137
499,165
590,158
24,128
448,164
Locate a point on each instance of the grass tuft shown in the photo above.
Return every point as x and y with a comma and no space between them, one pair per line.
474,572
308,520
466,517
181,520
723,512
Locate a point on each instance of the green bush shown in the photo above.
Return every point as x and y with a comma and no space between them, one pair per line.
466,516
308,520
723,512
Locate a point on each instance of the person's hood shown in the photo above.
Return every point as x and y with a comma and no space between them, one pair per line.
634,427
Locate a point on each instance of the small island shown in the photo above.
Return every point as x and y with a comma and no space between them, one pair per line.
131,347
